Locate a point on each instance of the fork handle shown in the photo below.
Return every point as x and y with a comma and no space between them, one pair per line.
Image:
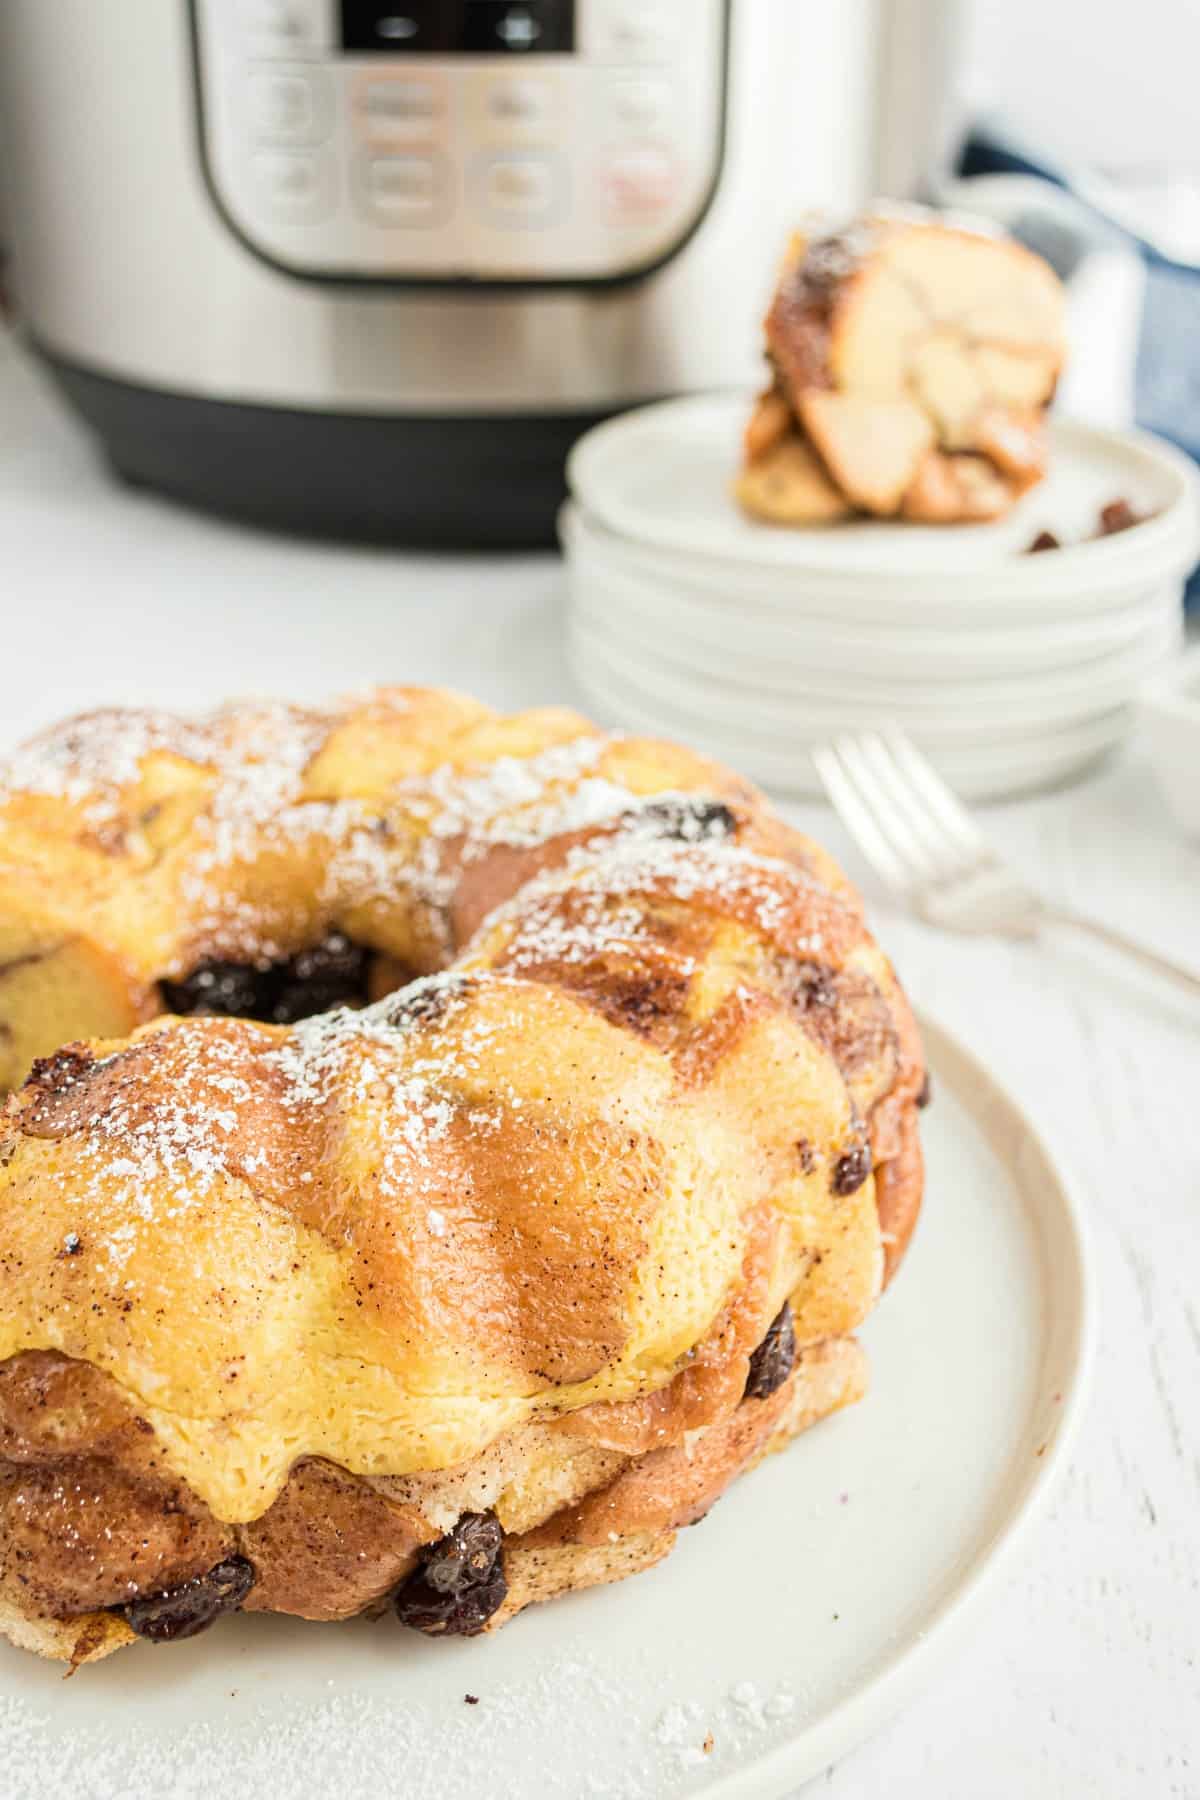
1187,979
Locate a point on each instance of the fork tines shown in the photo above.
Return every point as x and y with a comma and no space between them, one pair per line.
908,824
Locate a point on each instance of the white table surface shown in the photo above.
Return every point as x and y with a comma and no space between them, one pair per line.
1083,1679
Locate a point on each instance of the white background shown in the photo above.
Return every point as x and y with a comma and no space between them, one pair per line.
1083,1680
1116,83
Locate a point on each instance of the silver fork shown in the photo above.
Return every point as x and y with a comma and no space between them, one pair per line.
925,847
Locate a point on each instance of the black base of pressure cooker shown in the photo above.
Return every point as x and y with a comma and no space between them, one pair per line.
487,481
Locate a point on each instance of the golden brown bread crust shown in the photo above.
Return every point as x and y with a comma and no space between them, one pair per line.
782,479
632,1523
912,363
335,1545
501,1244
135,847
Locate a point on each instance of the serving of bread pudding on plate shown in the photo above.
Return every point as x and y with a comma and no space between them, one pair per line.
912,361
445,1151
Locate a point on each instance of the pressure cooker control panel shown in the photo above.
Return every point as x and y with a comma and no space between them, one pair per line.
473,140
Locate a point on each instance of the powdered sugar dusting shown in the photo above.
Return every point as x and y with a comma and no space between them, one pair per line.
584,1730
525,800
407,847
260,757
518,802
609,884
357,1055
150,1152
257,754
255,759
138,1162
155,1153
89,760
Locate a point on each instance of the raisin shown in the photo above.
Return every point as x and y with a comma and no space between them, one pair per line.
460,1582
1045,540
330,974
692,821
227,989
191,1607
773,1361
1117,516
852,1169
925,1095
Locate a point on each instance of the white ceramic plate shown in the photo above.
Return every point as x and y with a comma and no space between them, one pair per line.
985,770
661,476
903,644
732,691
789,1625
740,704
1018,589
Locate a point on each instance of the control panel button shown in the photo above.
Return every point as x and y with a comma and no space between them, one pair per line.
639,183
516,108
632,31
408,189
641,104
286,27
294,185
521,102
521,188
399,107
291,108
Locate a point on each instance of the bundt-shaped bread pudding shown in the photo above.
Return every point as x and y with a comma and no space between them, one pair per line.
912,362
457,1299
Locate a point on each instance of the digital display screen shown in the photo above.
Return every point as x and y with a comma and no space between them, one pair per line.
459,27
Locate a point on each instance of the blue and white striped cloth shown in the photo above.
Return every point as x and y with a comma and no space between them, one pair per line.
1133,279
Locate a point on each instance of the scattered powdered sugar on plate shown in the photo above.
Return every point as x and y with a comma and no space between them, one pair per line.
588,1734
694,1732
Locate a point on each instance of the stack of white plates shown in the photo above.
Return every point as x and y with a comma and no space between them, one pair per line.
756,642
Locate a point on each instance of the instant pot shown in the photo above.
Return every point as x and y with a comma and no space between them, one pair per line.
369,268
